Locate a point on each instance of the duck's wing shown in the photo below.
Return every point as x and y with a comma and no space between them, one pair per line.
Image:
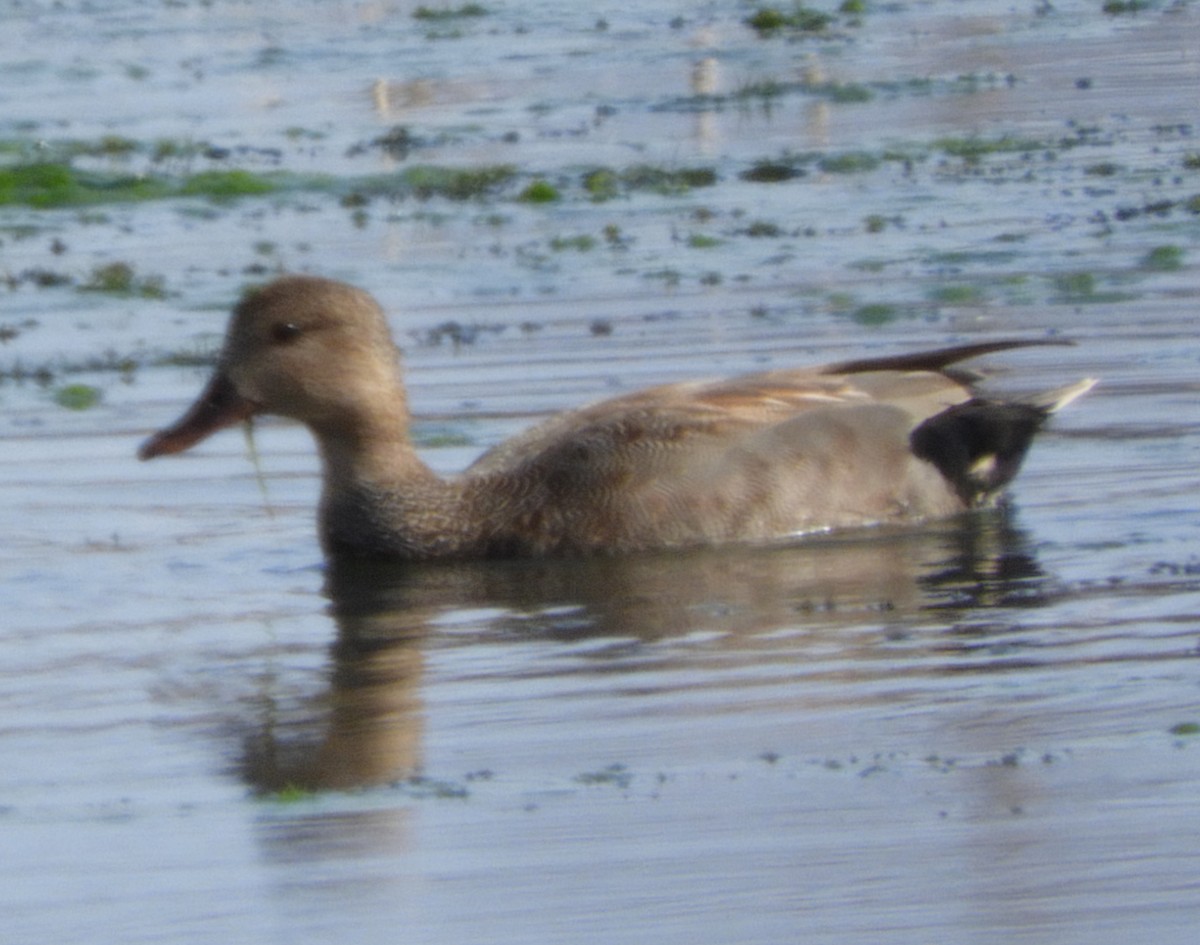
921,385
756,459
941,360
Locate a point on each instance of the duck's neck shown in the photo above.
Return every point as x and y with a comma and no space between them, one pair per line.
372,451
379,496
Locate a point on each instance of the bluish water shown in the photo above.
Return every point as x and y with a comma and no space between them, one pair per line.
978,732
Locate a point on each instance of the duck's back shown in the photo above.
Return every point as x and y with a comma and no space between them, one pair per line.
756,458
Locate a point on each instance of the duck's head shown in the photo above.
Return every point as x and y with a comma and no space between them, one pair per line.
311,349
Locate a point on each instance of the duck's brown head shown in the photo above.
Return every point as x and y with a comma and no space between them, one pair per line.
312,349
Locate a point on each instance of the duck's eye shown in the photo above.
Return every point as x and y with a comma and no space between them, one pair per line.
285,332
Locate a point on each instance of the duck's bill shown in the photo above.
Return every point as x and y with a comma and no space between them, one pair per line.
219,406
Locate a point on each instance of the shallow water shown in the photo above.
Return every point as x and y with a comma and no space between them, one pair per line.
982,731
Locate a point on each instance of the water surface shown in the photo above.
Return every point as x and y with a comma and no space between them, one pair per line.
982,731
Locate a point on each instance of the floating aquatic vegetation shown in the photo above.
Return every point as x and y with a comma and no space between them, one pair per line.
1163,259
78,396
875,313
614,775
48,185
582,243
767,21
604,183
668,180
772,171
466,11
226,185
849,162
540,191
456,183
1124,7
973,148
957,295
1075,286
119,278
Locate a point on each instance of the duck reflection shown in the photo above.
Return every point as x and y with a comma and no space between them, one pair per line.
367,728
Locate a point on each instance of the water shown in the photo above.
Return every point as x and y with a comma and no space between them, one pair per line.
977,732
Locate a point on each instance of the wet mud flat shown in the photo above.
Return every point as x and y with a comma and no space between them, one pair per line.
983,731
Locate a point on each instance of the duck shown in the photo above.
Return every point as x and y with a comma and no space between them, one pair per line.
762,458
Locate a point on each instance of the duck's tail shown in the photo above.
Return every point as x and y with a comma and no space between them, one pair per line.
979,445
1052,401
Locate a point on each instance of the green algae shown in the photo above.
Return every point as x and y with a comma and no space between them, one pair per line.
957,295
603,183
108,362
762,229
442,438
78,396
614,775
52,185
119,278
540,191
843,93
582,243
454,183
850,162
438,14
1083,288
769,91
1075,286
668,180
767,21
874,314
1124,7
974,148
226,185
45,185
1167,258
771,172
290,793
